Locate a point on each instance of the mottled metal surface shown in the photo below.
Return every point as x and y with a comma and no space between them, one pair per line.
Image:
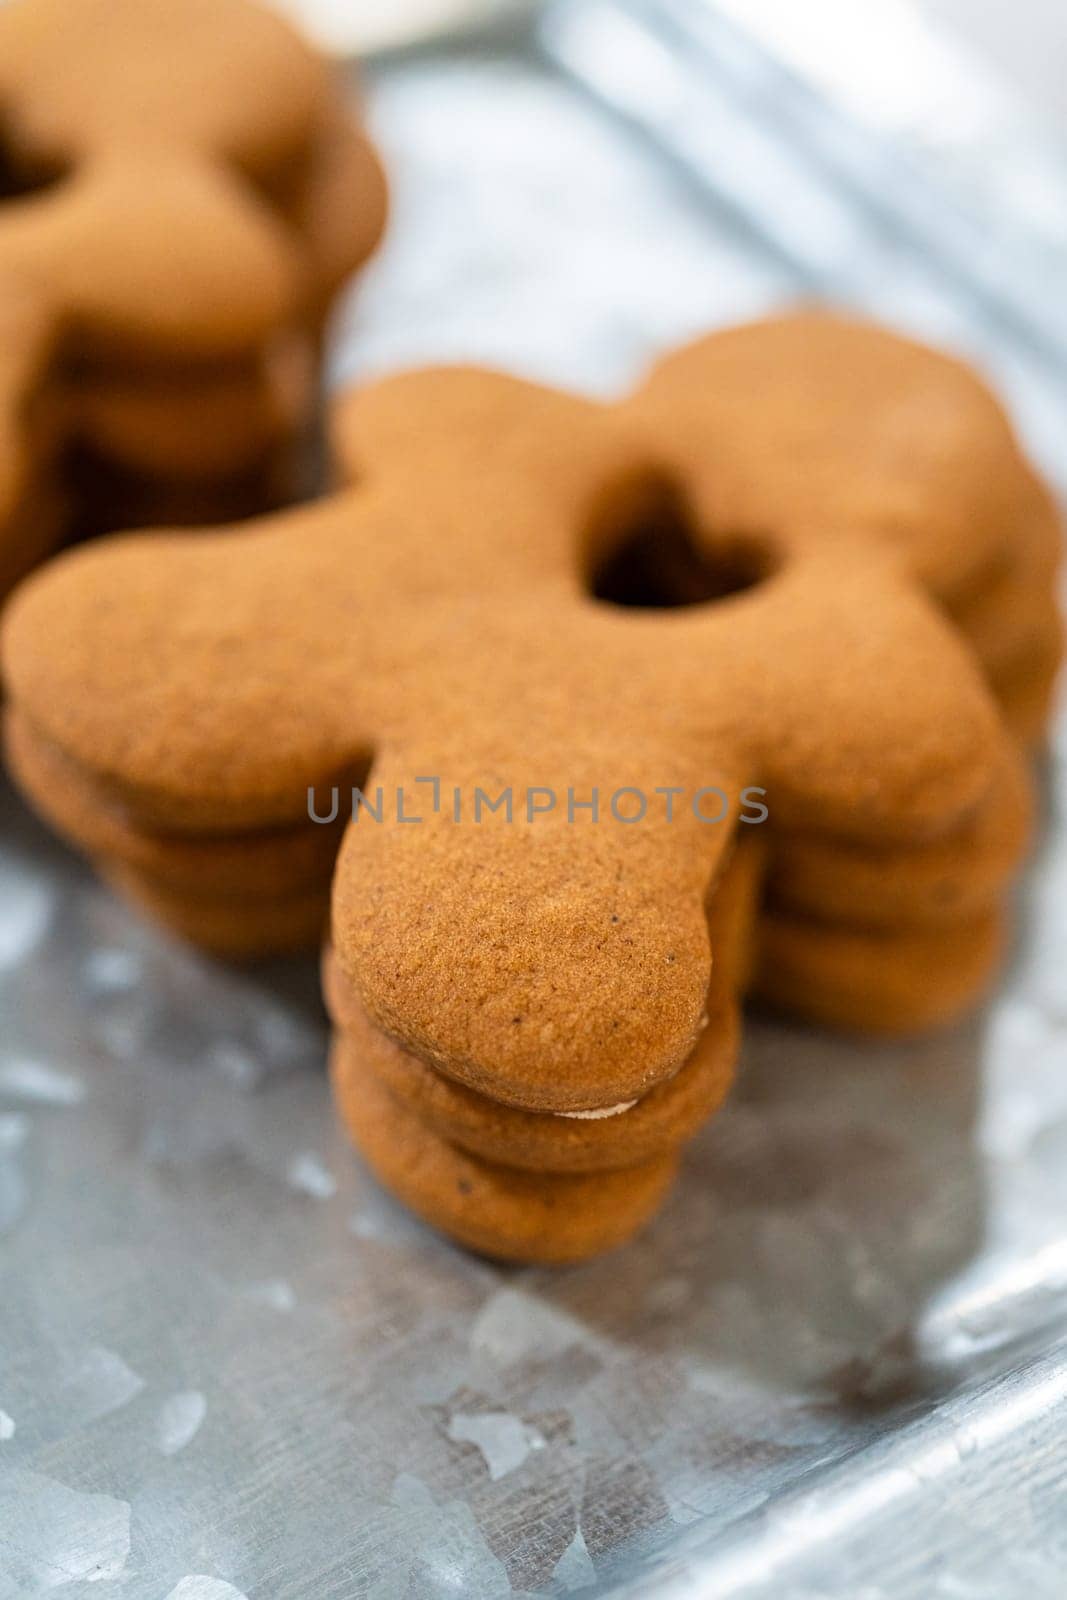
229,1366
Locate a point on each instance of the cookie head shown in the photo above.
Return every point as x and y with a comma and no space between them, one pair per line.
226,77
809,421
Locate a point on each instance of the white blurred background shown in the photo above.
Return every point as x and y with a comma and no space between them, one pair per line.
1025,40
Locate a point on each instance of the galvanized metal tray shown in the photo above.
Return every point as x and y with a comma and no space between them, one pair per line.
837,1363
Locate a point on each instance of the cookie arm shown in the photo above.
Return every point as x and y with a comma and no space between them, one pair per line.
186,673
873,720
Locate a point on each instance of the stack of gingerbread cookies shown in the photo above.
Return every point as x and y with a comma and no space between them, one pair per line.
183,191
554,646
520,1177
239,892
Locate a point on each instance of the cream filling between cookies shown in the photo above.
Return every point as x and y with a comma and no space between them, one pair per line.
601,1111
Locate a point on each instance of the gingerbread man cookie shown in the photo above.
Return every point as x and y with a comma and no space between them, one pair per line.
560,650
182,194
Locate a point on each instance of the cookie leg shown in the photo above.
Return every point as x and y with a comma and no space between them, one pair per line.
545,1218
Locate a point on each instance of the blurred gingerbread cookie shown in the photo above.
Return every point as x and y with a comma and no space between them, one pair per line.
556,646
182,194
